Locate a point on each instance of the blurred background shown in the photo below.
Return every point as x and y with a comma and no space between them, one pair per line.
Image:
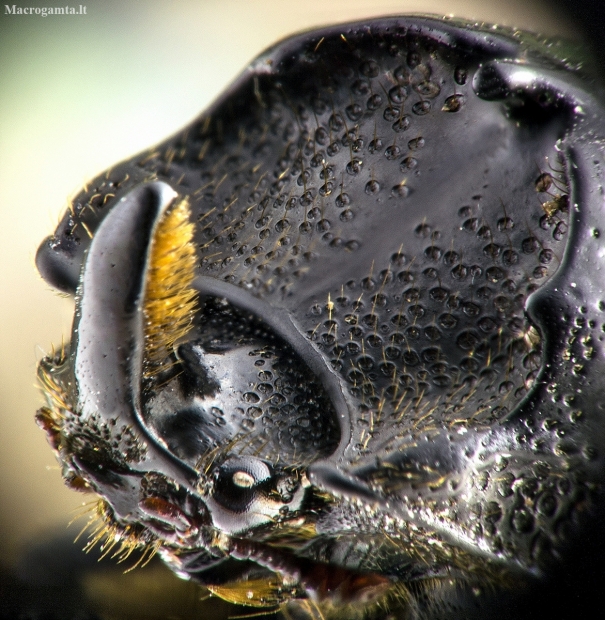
78,94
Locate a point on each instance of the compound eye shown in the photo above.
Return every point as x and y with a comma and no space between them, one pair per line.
245,472
243,479
239,481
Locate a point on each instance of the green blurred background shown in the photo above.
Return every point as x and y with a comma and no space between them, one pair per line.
77,94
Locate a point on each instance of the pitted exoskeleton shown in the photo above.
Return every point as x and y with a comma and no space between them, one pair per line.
339,340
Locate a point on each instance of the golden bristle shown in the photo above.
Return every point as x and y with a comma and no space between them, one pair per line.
170,302
52,417
55,394
292,536
252,593
121,540
396,598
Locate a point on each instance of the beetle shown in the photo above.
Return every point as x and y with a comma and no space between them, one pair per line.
330,351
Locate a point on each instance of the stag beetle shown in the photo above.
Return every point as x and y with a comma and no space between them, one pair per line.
338,343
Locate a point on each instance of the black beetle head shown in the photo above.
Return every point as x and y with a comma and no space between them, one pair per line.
351,342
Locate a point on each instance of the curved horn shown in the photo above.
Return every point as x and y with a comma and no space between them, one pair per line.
109,324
